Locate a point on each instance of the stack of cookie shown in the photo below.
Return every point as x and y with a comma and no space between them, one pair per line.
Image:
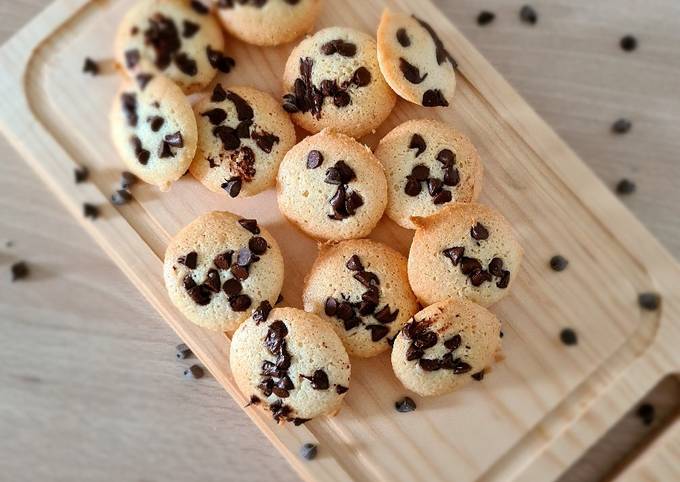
361,297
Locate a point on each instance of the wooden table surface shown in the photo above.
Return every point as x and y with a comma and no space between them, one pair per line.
91,389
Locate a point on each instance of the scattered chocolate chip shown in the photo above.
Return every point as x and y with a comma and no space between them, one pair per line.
479,277
127,179
621,126
90,66
199,7
232,186
189,28
215,116
128,102
479,232
182,351
460,367
469,265
245,257
367,278
434,186
289,103
142,154
405,405
190,260
453,343
131,58
451,176
628,43
165,150
496,267
418,143
156,122
232,287
429,364
341,99
625,186
219,61
120,197
420,172
175,139
568,337
361,77
440,51
186,64
442,197
319,380
403,38
340,389
250,225
188,282
314,159
646,412
297,421
354,263
485,18
308,451
274,339
411,72
527,14
258,245
265,140
240,303
239,272
386,316
434,98
479,376
412,187
558,263
223,260
378,332
446,157
218,94
649,301
194,372
454,254
143,80
19,270
90,211
213,281
254,400
261,313
243,110
81,173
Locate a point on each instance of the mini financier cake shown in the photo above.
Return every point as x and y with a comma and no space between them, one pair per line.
445,346
415,61
291,362
465,250
220,267
154,129
178,38
332,79
243,134
332,187
428,166
361,288
268,22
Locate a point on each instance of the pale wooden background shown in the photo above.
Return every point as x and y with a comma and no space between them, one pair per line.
90,388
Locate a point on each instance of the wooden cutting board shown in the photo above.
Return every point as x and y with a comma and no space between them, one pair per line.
539,409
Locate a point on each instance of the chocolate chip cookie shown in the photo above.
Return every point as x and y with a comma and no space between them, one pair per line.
243,134
446,345
154,129
332,79
221,267
428,165
361,288
332,187
465,250
291,363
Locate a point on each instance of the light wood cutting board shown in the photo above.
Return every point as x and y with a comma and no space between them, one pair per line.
539,409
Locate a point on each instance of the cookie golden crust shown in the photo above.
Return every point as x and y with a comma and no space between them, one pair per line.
243,134
428,165
465,250
332,187
445,346
269,22
220,267
360,287
154,129
291,363
332,79
414,60
178,38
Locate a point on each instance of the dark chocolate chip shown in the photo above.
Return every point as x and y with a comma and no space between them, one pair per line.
245,257
442,197
414,353
403,38
434,186
219,61
120,197
188,282
265,140
479,376
347,49
254,400
446,157
218,94
625,186
174,139
353,202
367,278
385,315
649,301
351,323
628,43
341,99
81,173
558,263
186,64
412,187
190,260
568,337
418,143
454,254
434,98
527,14
213,281
127,179
258,245
331,306
165,150
429,364
451,176
131,58
647,413
354,263
290,103
460,367
143,80
319,380
261,313
425,340
274,339
366,308
314,159
156,122
479,277
199,7
469,265
361,77
200,295
411,72
340,389
505,280
90,211
405,405
453,343
243,129
250,225
496,267
228,136
420,172
329,48
243,110
346,172
232,186
485,18
232,287
128,102
182,352
90,66
189,28
371,295
240,303
308,451
215,116
479,232
223,260
266,386
344,311
19,270
378,332
194,372
622,126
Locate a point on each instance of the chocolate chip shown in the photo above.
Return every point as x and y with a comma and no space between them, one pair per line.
127,179
90,211
274,339
440,51
142,154
333,176
568,337
649,301
232,287
289,104
188,282
405,405
420,172
155,122
245,257
266,386
165,150
344,311
527,14
223,260
182,352
132,58
254,400
337,202
622,126
418,143
331,306
385,316
308,451
347,49
354,263
625,187
314,159
361,77
19,270
240,303
647,413
228,136
243,110
558,263
346,173
425,340
403,38
143,80
353,202
453,343
258,245
442,197
371,295
411,72
479,376
219,61
218,94
505,280
460,367
479,232
189,28
351,323
199,7
454,254
200,295
243,129
174,139
434,98
446,157
329,48
340,389
90,66
162,35
367,278
469,265
628,43
121,197
496,267
412,187
232,186
261,313
186,64
434,186
80,174
341,99
378,332
215,116
429,364
479,277
250,225
190,260
194,372
366,308
485,18
212,281
451,176
265,140
319,380
128,101
280,392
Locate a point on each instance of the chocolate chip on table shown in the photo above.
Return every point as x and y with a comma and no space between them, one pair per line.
568,337
190,260
194,372
405,405
628,43
354,263
232,287
90,211
120,197
250,225
314,159
527,14
308,451
403,38
418,143
182,351
411,72
240,303
258,245
646,412
649,301
81,173
90,66
442,197
232,186
558,263
485,18
127,179
625,186
412,187
340,389
479,376
622,126
19,270
261,313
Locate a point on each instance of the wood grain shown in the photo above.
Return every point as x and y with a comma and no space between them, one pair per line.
102,280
